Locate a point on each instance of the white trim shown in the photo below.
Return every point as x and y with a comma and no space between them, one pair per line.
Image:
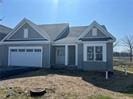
9,55
49,55
76,55
62,44
86,42
26,32
94,23
66,54
19,25
25,42
25,47
95,44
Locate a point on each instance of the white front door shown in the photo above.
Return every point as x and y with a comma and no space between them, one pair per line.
25,56
60,55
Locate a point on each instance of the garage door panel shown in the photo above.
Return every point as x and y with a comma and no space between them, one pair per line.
25,57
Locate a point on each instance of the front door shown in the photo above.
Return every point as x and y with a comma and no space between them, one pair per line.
71,55
60,55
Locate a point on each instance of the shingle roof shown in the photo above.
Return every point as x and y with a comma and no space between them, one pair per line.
4,29
96,39
76,31
53,30
60,33
40,30
73,35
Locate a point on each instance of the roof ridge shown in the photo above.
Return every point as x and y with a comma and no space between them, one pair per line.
5,26
78,26
53,24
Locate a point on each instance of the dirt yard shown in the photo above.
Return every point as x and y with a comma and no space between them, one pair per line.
63,84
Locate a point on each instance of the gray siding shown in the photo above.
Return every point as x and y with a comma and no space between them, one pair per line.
80,56
2,35
99,34
46,53
52,55
19,35
110,55
96,66
4,55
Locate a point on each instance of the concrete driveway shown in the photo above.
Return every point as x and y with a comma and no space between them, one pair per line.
6,72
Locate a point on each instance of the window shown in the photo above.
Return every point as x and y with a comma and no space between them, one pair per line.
94,32
94,53
37,50
90,53
29,50
25,33
21,50
99,52
13,50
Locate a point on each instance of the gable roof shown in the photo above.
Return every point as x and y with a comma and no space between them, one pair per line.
39,30
73,35
54,30
5,29
102,28
62,33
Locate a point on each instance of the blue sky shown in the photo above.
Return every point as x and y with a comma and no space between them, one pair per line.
117,15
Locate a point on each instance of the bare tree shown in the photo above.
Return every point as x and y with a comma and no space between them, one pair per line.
128,42
115,44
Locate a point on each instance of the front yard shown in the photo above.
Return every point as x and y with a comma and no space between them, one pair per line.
72,84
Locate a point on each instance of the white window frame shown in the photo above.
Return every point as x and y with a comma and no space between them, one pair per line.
26,32
91,53
95,53
104,53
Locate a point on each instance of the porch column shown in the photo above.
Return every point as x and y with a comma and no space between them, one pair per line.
66,54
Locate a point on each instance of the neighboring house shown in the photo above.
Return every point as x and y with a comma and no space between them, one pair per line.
58,45
4,31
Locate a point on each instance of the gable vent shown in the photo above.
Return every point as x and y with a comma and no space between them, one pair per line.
25,33
94,32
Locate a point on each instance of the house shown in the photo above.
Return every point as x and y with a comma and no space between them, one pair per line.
58,45
4,31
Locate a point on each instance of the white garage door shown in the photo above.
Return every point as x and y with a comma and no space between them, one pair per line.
25,56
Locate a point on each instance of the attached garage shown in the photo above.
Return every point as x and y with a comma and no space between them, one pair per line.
25,56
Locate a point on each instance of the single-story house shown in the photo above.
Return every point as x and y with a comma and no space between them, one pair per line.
58,45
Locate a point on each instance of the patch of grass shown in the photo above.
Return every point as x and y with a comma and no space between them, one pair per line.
129,89
99,97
